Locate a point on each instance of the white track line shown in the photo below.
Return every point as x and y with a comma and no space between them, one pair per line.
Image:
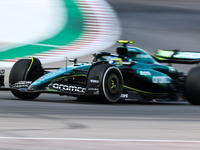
105,140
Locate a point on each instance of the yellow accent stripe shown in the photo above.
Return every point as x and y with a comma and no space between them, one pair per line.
31,63
141,90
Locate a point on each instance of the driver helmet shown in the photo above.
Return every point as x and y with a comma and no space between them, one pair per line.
114,60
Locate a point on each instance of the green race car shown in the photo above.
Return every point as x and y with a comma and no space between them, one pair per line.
132,74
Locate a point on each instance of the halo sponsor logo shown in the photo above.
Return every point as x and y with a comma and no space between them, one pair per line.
70,88
161,79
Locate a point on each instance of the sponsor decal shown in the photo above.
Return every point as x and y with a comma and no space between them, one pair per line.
70,88
93,86
146,73
96,90
190,55
22,84
161,79
124,95
94,81
93,89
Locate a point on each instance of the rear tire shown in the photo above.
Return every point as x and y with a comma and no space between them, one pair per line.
192,86
20,72
110,83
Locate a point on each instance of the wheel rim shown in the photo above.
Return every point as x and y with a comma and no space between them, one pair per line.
113,84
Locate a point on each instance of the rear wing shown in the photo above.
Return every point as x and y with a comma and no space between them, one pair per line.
177,56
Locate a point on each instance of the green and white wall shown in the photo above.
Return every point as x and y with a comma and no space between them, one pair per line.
53,29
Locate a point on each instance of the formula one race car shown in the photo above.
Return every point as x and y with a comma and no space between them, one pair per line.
131,74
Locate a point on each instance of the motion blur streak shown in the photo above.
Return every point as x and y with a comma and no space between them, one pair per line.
72,28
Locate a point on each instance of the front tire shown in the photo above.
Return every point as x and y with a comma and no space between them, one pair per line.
110,83
192,86
24,70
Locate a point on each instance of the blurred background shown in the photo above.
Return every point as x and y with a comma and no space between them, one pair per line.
51,30
54,29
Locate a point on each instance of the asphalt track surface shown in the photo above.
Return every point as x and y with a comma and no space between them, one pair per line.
54,122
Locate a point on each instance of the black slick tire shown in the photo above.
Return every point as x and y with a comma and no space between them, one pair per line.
20,72
110,83
192,86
